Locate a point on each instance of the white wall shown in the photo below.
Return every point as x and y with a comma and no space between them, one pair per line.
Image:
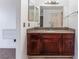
7,21
7,14
72,21
18,26
22,17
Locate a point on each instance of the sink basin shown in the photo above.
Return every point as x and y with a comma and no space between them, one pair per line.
50,30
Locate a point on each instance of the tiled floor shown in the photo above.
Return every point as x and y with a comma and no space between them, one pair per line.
7,53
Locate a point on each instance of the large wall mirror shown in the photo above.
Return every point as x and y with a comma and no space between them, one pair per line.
50,13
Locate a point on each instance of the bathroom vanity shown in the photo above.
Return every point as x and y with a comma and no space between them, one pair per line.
46,36
50,41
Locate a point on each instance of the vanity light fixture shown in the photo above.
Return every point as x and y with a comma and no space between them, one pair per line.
51,2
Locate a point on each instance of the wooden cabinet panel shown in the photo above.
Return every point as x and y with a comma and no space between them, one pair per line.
50,57
68,35
54,35
51,47
50,44
34,44
68,47
35,47
68,43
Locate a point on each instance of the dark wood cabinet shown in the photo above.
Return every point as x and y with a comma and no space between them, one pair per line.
68,44
51,47
50,43
34,45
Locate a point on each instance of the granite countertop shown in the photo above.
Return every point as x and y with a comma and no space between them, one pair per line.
50,30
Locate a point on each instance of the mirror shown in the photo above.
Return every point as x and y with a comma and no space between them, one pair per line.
33,11
50,13
51,16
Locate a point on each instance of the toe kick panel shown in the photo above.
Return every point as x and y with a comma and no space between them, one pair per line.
50,58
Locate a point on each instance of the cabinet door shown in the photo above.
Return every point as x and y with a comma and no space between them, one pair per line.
68,44
51,44
34,44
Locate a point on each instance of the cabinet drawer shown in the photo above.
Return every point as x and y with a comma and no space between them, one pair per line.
51,36
68,35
